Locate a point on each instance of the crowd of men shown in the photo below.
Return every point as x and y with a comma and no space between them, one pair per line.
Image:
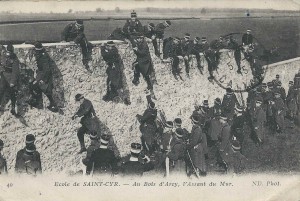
218,132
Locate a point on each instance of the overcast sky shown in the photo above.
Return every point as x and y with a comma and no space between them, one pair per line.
64,6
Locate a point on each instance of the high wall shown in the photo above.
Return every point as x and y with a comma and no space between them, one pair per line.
56,134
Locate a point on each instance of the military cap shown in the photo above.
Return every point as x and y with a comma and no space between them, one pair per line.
187,35
277,76
270,84
1,144
197,39
133,14
110,43
229,90
205,103
30,148
168,22
277,92
238,108
10,47
78,97
248,30
203,38
179,132
38,45
218,101
195,118
291,82
169,124
279,83
235,145
151,105
259,100
104,139
177,121
29,139
136,148
177,38
93,135
151,25
223,116
79,22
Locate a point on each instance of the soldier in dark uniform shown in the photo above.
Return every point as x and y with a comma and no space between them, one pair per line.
213,134
28,159
3,164
195,50
159,33
238,122
166,136
186,46
134,167
235,162
113,60
216,46
203,113
95,144
149,32
228,104
211,59
87,112
148,127
279,110
196,148
281,90
178,124
247,42
143,64
216,109
43,82
259,120
103,161
291,101
9,73
75,32
236,52
176,153
131,27
173,50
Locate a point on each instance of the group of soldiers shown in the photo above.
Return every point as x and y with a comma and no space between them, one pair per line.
218,132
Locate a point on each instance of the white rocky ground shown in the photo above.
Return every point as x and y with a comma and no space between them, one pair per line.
56,134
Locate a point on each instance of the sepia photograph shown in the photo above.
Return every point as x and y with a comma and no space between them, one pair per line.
150,100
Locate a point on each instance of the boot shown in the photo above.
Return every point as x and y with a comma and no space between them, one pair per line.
106,98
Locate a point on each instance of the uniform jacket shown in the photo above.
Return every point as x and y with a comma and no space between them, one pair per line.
292,99
203,47
30,164
228,103
132,26
197,146
165,140
238,123
247,39
216,109
215,128
148,33
73,33
87,112
225,137
235,161
148,125
217,45
9,66
143,58
95,144
259,119
172,49
135,168
177,149
103,160
44,71
160,30
187,47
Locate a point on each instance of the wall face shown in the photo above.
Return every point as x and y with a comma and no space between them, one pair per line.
56,134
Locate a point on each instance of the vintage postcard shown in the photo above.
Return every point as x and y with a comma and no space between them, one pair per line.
150,100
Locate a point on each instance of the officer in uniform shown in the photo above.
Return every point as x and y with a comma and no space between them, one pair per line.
235,162
211,59
9,73
236,52
103,161
228,104
148,127
203,113
43,82
259,120
113,60
20,166
3,164
143,64
216,46
213,133
87,112
178,124
195,148
166,136
159,33
176,152
28,159
75,32
134,167
173,50
131,27
247,42
279,110
186,46
195,50
268,97
291,101
238,122
278,86
95,144
216,109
